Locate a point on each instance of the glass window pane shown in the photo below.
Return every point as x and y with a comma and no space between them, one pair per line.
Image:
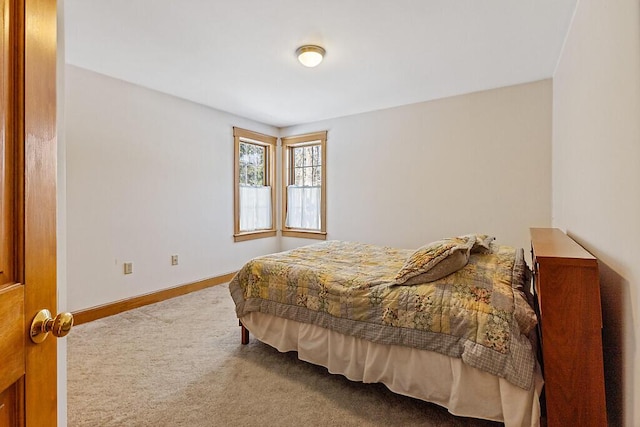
259,155
253,158
243,173
297,176
251,174
308,156
308,178
307,165
298,154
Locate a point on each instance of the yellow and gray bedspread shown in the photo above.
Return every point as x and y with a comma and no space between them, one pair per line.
478,313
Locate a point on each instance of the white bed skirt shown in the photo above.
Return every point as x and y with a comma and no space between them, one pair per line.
426,375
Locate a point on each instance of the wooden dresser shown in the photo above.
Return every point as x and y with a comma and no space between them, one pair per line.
567,289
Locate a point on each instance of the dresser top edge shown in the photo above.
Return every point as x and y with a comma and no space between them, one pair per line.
553,243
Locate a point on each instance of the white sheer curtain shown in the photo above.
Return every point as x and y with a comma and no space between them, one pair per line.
255,208
303,207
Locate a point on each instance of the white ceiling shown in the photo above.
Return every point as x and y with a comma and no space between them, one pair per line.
238,55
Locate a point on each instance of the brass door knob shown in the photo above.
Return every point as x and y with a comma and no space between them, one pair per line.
42,324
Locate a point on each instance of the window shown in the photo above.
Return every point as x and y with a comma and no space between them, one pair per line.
254,190
304,188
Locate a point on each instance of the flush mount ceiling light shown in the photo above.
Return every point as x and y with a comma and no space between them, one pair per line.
310,55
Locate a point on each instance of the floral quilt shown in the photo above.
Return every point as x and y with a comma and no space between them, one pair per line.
478,313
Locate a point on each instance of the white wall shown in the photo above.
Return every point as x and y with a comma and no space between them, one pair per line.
148,176
596,176
409,175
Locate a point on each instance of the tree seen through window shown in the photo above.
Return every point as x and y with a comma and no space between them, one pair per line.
252,164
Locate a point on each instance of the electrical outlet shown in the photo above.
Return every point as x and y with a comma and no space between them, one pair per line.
128,267
174,259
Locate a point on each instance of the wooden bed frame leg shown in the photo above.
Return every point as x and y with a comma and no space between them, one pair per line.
245,334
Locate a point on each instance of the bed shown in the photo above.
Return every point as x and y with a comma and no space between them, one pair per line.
449,323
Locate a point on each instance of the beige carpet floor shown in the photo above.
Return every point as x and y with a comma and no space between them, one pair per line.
180,363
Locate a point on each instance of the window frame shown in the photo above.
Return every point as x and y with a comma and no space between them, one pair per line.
269,143
288,144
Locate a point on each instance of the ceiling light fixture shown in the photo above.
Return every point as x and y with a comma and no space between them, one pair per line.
310,55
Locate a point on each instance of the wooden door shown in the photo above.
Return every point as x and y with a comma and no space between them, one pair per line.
27,209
